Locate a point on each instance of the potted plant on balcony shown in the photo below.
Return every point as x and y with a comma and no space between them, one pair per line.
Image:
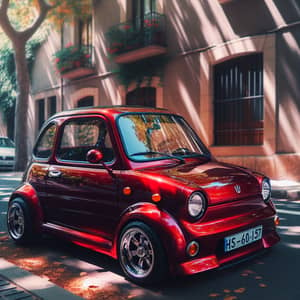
121,38
153,31
72,57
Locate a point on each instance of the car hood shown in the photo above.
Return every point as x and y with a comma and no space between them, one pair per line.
220,182
7,151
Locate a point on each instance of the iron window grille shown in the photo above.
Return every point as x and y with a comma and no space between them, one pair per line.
239,101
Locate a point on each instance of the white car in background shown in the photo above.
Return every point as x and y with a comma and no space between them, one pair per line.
7,153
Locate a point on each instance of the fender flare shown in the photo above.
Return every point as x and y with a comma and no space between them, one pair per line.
162,222
27,192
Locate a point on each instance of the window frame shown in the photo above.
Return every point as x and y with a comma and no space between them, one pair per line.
41,134
83,163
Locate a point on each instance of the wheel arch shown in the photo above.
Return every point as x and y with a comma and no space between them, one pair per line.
27,192
164,225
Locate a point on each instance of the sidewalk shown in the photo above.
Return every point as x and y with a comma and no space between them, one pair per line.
16,283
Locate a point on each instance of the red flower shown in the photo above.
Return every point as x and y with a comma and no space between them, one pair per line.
126,27
69,45
87,55
57,60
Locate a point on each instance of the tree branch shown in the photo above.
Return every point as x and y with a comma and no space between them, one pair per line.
4,21
44,8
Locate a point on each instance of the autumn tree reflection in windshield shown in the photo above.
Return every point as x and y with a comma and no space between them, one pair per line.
151,136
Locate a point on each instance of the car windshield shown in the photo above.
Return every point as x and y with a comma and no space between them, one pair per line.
158,136
6,143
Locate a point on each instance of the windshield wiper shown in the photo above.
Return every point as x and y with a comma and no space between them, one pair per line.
181,160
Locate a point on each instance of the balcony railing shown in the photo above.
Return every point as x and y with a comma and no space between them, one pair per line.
75,61
137,39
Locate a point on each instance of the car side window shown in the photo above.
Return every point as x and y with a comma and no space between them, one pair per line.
82,135
45,144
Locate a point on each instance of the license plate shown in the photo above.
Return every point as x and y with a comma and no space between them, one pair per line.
243,238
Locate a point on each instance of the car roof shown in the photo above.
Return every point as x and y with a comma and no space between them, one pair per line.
109,110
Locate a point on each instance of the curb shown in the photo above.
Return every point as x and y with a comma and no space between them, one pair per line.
35,285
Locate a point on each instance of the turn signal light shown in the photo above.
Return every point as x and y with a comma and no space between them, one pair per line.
276,221
127,191
156,197
192,249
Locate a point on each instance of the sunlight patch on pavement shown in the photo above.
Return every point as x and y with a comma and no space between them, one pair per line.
102,280
84,266
289,230
284,183
10,178
4,194
294,246
290,212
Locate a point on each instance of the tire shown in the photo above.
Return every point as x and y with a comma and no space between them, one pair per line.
141,254
19,222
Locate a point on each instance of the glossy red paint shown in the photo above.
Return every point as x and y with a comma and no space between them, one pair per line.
94,156
28,193
86,203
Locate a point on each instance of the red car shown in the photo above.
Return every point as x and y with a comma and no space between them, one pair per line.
138,184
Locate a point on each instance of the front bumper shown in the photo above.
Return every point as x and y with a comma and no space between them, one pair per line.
211,262
210,236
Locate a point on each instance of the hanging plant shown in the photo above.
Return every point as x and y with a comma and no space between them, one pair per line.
72,57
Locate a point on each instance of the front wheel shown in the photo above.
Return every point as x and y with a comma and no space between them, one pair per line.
141,254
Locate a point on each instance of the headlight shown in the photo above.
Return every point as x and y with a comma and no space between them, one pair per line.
266,189
196,205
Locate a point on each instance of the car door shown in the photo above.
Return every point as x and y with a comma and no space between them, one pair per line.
38,170
83,196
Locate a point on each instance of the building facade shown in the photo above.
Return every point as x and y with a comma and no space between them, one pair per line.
230,67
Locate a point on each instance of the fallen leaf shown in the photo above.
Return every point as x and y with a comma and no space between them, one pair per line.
214,295
93,286
226,291
240,290
262,285
230,298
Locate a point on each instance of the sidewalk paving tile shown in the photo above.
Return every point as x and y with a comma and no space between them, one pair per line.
19,280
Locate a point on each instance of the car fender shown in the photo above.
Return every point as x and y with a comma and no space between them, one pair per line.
162,222
27,192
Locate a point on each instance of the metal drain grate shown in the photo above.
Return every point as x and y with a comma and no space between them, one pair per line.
11,291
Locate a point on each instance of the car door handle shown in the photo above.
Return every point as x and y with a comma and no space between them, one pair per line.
54,174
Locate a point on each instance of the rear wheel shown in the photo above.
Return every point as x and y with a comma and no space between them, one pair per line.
141,254
19,222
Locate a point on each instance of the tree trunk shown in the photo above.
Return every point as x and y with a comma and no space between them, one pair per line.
21,112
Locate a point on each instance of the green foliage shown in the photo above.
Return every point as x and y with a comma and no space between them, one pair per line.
8,87
142,70
71,57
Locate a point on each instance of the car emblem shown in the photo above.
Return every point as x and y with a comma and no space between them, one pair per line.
237,188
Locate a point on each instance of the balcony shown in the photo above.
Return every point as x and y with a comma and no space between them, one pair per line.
75,61
138,39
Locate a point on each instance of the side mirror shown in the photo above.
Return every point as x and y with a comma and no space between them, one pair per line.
94,156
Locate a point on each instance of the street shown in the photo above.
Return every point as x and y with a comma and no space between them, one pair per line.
273,275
